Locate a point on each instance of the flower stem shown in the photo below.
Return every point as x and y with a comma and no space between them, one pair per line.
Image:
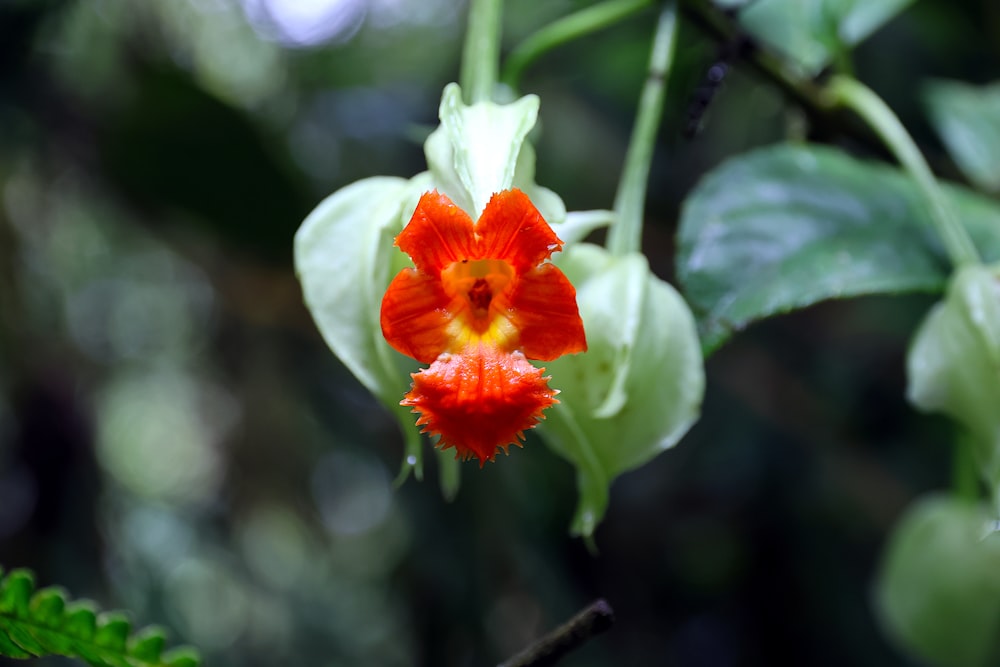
450,473
626,233
481,55
568,28
964,471
413,460
853,94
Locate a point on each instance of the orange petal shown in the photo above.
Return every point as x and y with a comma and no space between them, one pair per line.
479,401
415,315
543,309
438,234
511,228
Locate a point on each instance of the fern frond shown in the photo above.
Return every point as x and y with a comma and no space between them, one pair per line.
39,623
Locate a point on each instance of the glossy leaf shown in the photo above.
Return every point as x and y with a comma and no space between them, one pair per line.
637,389
938,592
41,623
811,33
968,119
788,226
954,364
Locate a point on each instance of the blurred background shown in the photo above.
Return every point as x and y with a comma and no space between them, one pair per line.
176,439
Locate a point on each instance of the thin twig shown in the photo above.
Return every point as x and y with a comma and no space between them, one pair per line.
826,118
553,647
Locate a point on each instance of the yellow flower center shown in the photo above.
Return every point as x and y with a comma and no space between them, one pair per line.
473,285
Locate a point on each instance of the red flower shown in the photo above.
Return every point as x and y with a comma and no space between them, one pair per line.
481,300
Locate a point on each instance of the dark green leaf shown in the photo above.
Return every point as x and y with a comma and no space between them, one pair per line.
790,225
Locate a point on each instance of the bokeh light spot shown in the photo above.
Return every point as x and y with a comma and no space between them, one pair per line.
353,494
306,22
158,435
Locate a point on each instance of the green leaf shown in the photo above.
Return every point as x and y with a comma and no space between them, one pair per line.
182,656
81,619
147,644
954,364
15,593
47,606
811,33
450,470
938,592
637,389
113,628
43,623
7,645
968,119
788,226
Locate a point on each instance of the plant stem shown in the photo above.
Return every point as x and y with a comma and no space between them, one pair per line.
625,235
854,95
964,471
481,55
450,474
413,460
566,29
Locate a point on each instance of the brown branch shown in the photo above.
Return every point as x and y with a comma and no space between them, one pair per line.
553,647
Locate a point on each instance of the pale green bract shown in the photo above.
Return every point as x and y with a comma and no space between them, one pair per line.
938,592
344,260
638,388
479,146
341,260
344,253
954,364
481,149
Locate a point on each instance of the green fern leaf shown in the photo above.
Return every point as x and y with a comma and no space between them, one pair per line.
39,623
